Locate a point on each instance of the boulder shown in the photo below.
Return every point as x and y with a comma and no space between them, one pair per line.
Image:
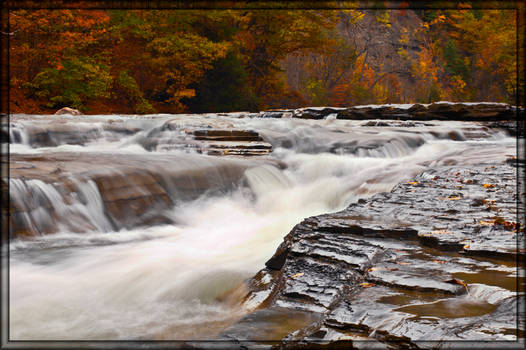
68,110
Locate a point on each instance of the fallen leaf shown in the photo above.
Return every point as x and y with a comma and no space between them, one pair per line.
452,198
466,246
374,269
499,220
402,263
488,186
456,281
440,232
297,275
366,284
413,182
439,261
459,187
485,223
460,282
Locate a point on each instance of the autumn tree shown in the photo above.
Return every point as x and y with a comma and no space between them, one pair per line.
169,54
54,55
266,37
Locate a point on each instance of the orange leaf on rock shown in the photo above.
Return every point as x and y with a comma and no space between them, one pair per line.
440,232
366,285
486,223
456,281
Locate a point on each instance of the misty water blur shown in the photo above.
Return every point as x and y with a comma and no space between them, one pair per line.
143,282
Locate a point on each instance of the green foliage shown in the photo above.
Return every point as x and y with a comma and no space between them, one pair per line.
125,87
455,65
432,96
317,92
79,79
144,107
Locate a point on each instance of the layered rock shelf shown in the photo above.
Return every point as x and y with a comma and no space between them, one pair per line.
462,111
435,259
173,134
500,114
127,193
230,142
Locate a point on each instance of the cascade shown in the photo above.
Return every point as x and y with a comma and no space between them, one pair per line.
124,228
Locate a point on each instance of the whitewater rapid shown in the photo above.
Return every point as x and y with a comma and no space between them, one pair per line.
177,281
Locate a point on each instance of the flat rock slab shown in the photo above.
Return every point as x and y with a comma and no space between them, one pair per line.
466,209
435,259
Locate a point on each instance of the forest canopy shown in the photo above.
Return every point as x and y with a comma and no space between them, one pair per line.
150,61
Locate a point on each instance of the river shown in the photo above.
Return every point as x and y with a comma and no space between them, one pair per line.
101,276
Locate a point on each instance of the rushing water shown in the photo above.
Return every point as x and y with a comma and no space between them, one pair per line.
94,279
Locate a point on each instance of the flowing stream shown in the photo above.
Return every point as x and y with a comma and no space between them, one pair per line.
99,278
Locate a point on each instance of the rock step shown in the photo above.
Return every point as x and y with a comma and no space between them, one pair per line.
49,190
226,135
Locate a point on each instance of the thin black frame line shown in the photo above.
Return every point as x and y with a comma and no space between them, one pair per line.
331,8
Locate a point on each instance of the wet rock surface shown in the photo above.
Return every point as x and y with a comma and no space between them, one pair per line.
434,259
128,193
204,138
174,134
476,111
439,258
